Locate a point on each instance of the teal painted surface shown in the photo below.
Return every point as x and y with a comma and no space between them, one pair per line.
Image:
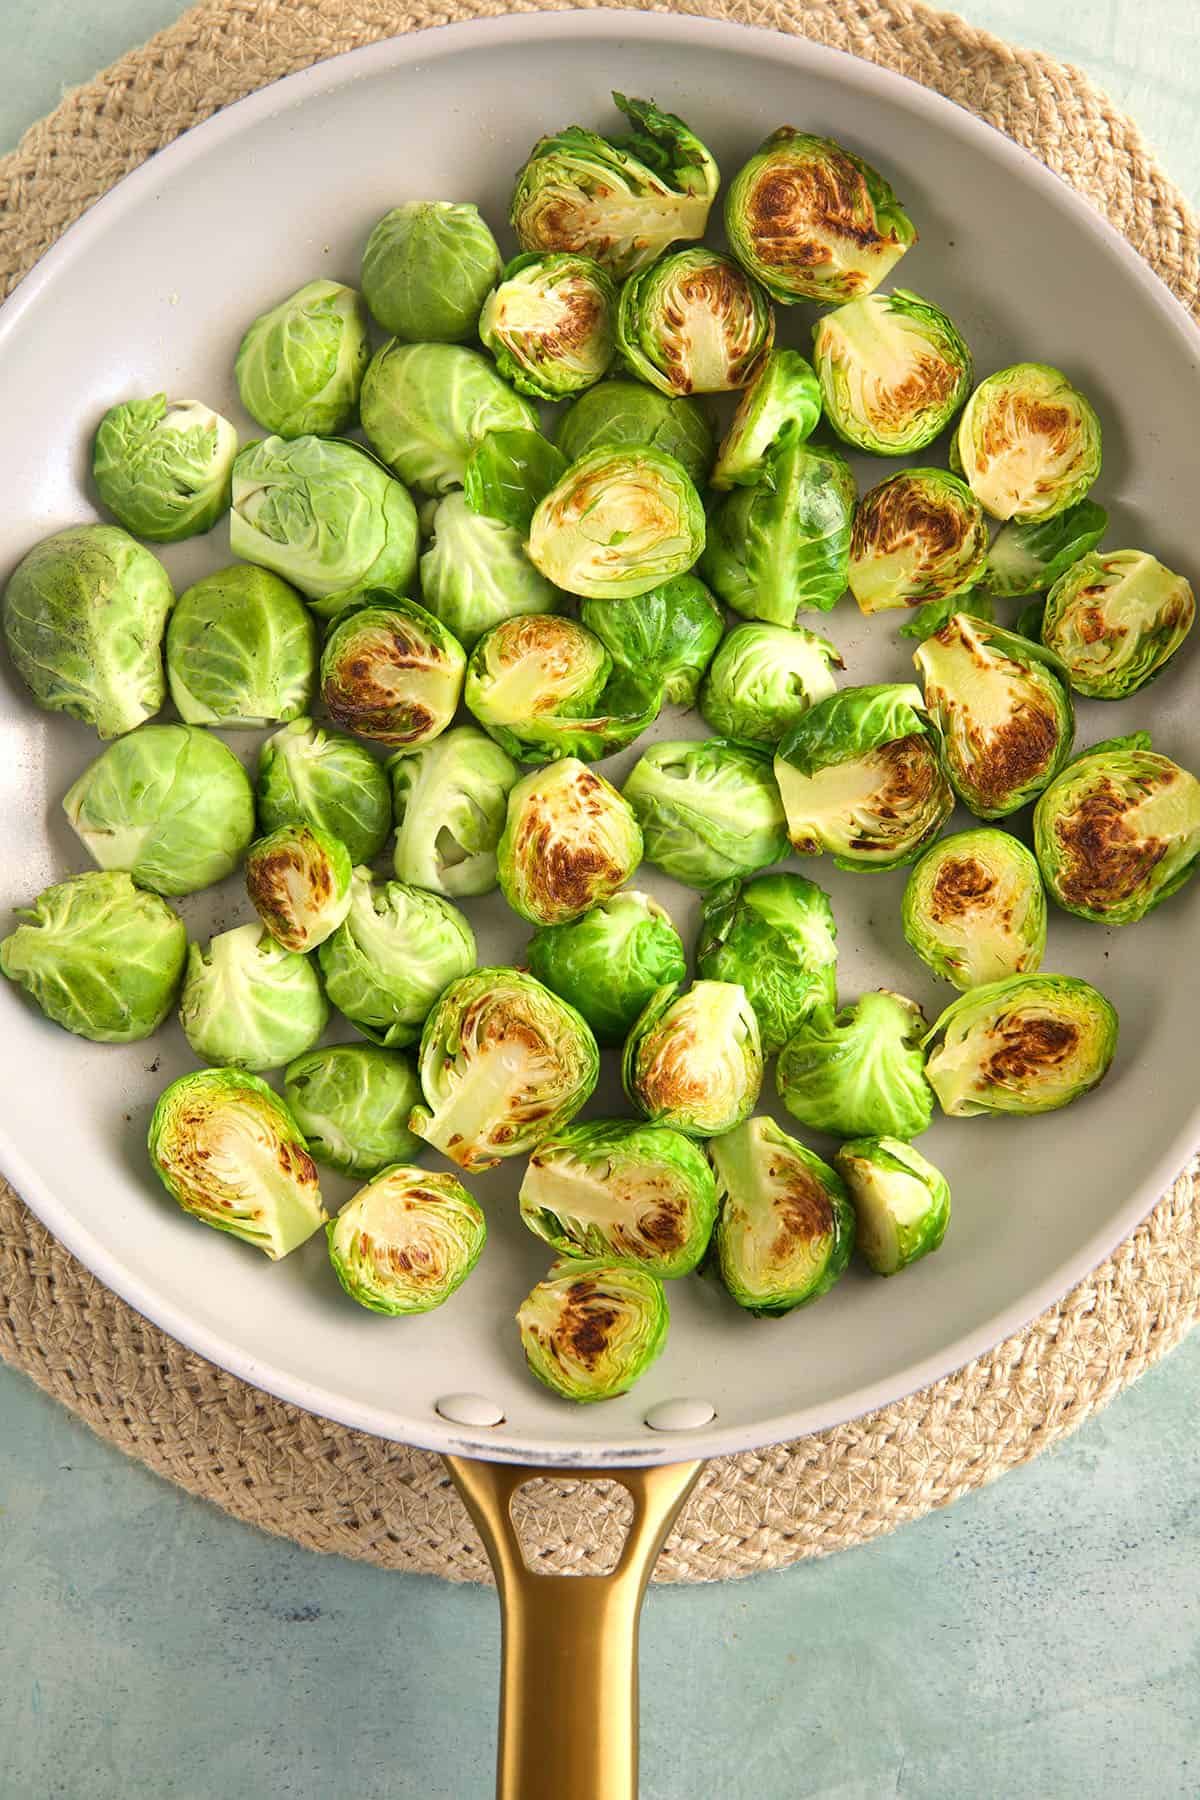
1039,1639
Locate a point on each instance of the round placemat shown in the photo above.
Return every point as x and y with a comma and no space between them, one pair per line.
330,1488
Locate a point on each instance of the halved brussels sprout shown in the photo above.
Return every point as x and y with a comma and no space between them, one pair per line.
781,404
708,809
812,221
393,673
310,776
765,677
1115,619
1026,1045
570,841
169,803
241,650
610,961
100,957
164,468
785,1226
624,1191
620,413
298,879
974,909
551,324
1028,443
428,268
694,1059
543,687
859,1072
300,365
918,536
593,1327
619,200
425,405
352,1103
783,546
508,472
247,1003
391,956
893,371
694,323
504,1064
1004,711
901,1202
618,523
933,615
475,573
229,1151
406,1241
775,936
84,616
1028,559
450,798
861,777
667,634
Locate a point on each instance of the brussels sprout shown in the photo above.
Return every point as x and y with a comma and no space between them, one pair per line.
300,366
249,1003
901,1202
406,1241
776,937
241,650
570,841
859,1072
309,776
1028,559
813,221
229,1151
544,687
610,961
352,1103
298,879
918,536
451,797
163,468
504,1064
861,776
425,405
708,810
781,404
764,678
593,1327
694,323
1025,1045
427,269
391,956
475,573
933,615
169,803
974,909
627,1192
393,673
100,957
618,523
551,324
1027,444
508,472
785,1226
323,515
621,413
667,634
783,546
893,371
1115,620
694,1059
84,615
619,200
1003,709
1118,832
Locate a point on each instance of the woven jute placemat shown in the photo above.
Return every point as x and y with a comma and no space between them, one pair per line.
334,1489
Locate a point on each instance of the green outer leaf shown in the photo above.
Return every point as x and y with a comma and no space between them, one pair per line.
853,722
310,776
248,1003
783,546
508,472
352,1103
610,961
776,937
241,650
1029,559
760,1170
890,1234
780,404
933,615
620,412
164,472
619,1312
393,954
965,1031
427,269
668,634
859,1072
425,405
407,1241
708,809
300,366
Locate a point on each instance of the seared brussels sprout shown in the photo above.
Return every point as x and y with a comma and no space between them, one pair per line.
893,371
425,405
785,1226
708,809
475,573
918,536
248,1003
84,616
781,404
694,323
508,472
300,366
667,634
861,777
428,268
544,687
229,1151
504,1064
391,956
620,413
901,1202
694,1059
627,1192
1115,620
618,523
974,909
933,615
169,803
619,200
1004,711
1118,832
593,1327
100,957
783,546
1026,1045
352,1103
309,776
164,468
1028,559
812,221
551,324
298,879
393,673
241,650
610,961
450,799
765,677
859,1072
775,936
406,1241
323,515
570,841
1027,444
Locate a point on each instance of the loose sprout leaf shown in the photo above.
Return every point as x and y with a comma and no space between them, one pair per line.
782,547
781,404
934,613
508,472
1028,559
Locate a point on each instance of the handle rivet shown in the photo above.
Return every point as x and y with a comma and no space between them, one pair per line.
680,1415
469,1409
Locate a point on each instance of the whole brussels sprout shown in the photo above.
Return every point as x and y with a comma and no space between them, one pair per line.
1028,443
775,936
241,650
812,221
1029,1044
475,573
406,1241
901,1202
1115,620
551,324
84,616
765,677
785,1226
352,1103
610,961
393,673
893,371
425,405
593,1327
168,803
667,634
391,956
708,809
859,1072
309,776
543,687
298,879
300,366
620,412
100,957
248,1003
933,615
693,323
620,522
507,473
694,1059
570,840
974,909
1028,559
783,546
918,536
451,797
781,404
164,468
427,269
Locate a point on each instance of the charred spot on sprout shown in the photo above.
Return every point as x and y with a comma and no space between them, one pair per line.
962,884
1027,1046
1105,860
